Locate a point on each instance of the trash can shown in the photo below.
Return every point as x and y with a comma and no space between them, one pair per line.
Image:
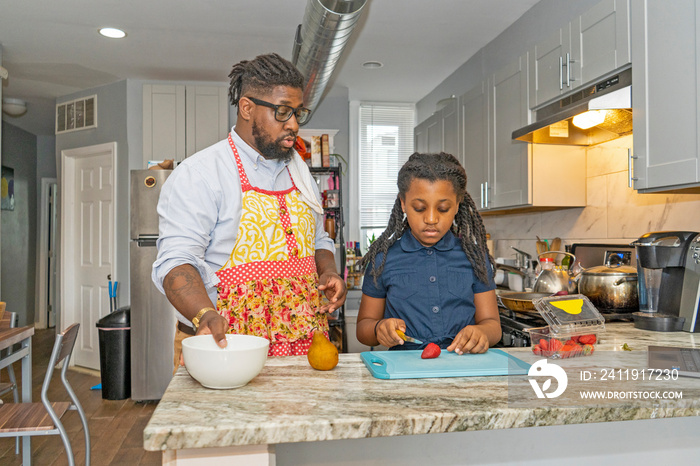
115,354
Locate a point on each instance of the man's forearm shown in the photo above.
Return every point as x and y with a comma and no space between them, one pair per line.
185,290
325,262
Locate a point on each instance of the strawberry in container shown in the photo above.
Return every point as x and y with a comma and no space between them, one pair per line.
574,327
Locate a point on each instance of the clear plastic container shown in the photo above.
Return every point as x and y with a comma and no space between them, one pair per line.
575,326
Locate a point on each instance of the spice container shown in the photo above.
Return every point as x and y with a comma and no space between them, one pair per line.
574,327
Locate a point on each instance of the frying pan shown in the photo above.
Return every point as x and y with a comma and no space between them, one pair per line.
521,301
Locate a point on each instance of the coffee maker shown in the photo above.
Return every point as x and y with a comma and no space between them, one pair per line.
668,266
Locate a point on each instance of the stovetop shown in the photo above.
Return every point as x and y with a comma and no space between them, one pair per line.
514,325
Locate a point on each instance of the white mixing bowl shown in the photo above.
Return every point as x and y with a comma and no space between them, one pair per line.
221,368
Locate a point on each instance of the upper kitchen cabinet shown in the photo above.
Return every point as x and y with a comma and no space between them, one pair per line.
600,41
428,134
591,45
440,131
180,120
549,65
517,175
473,140
507,183
665,94
449,114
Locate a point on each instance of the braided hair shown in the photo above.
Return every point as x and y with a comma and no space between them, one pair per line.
261,75
467,226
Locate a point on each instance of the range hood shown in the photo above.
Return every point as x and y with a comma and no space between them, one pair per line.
609,99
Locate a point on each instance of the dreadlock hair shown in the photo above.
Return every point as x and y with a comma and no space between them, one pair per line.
468,225
262,74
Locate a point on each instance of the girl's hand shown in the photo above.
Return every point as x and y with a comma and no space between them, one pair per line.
471,339
386,332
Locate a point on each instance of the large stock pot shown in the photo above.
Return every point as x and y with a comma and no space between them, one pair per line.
610,287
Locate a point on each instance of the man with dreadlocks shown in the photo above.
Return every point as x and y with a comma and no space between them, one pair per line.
430,273
241,224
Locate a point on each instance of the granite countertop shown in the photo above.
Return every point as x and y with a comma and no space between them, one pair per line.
291,402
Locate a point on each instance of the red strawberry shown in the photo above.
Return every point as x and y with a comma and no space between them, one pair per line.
537,350
555,345
576,338
566,351
587,339
431,351
544,345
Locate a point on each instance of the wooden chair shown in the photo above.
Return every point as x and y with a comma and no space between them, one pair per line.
23,419
9,320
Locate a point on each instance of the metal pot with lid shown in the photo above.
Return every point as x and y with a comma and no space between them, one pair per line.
610,286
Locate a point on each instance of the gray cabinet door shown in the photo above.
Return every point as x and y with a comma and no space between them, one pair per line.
600,41
434,132
420,137
547,67
450,128
474,153
665,93
508,168
163,122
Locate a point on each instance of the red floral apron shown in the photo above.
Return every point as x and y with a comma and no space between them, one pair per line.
268,287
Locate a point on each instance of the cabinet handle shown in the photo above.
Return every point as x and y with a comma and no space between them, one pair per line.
569,78
486,195
630,178
561,73
481,198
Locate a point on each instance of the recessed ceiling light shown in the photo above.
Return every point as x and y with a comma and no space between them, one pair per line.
113,33
371,65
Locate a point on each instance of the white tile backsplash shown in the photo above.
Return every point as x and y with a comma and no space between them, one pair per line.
614,212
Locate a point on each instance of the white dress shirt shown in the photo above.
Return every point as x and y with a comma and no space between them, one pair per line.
200,210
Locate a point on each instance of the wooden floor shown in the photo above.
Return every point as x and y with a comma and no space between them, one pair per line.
116,427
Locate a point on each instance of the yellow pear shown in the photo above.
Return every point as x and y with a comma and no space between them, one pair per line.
323,355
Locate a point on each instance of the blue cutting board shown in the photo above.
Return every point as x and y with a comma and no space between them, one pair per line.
409,365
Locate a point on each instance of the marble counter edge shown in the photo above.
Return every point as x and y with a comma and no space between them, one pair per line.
159,436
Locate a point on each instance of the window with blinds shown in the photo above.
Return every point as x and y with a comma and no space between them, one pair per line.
386,142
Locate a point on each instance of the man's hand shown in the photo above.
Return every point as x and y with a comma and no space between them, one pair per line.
212,323
333,287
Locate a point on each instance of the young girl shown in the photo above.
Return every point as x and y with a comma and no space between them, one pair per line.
430,274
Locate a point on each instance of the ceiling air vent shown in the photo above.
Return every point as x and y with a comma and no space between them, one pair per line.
76,115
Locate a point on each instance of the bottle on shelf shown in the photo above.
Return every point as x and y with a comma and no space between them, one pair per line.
358,251
329,226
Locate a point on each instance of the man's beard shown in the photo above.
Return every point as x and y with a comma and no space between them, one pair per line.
271,150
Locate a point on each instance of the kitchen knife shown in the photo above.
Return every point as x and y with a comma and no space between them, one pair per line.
405,337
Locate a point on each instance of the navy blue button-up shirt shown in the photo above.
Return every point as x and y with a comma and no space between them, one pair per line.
431,289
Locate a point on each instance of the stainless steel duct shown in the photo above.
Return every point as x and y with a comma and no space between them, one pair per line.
320,40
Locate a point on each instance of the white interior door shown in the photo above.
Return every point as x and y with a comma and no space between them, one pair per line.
87,243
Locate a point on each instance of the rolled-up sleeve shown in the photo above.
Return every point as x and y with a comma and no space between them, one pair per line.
187,218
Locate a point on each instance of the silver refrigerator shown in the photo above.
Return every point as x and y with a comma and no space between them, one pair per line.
152,316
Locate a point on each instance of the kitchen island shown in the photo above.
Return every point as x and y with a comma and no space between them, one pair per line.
293,414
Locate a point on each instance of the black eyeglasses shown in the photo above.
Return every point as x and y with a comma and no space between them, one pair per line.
285,112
